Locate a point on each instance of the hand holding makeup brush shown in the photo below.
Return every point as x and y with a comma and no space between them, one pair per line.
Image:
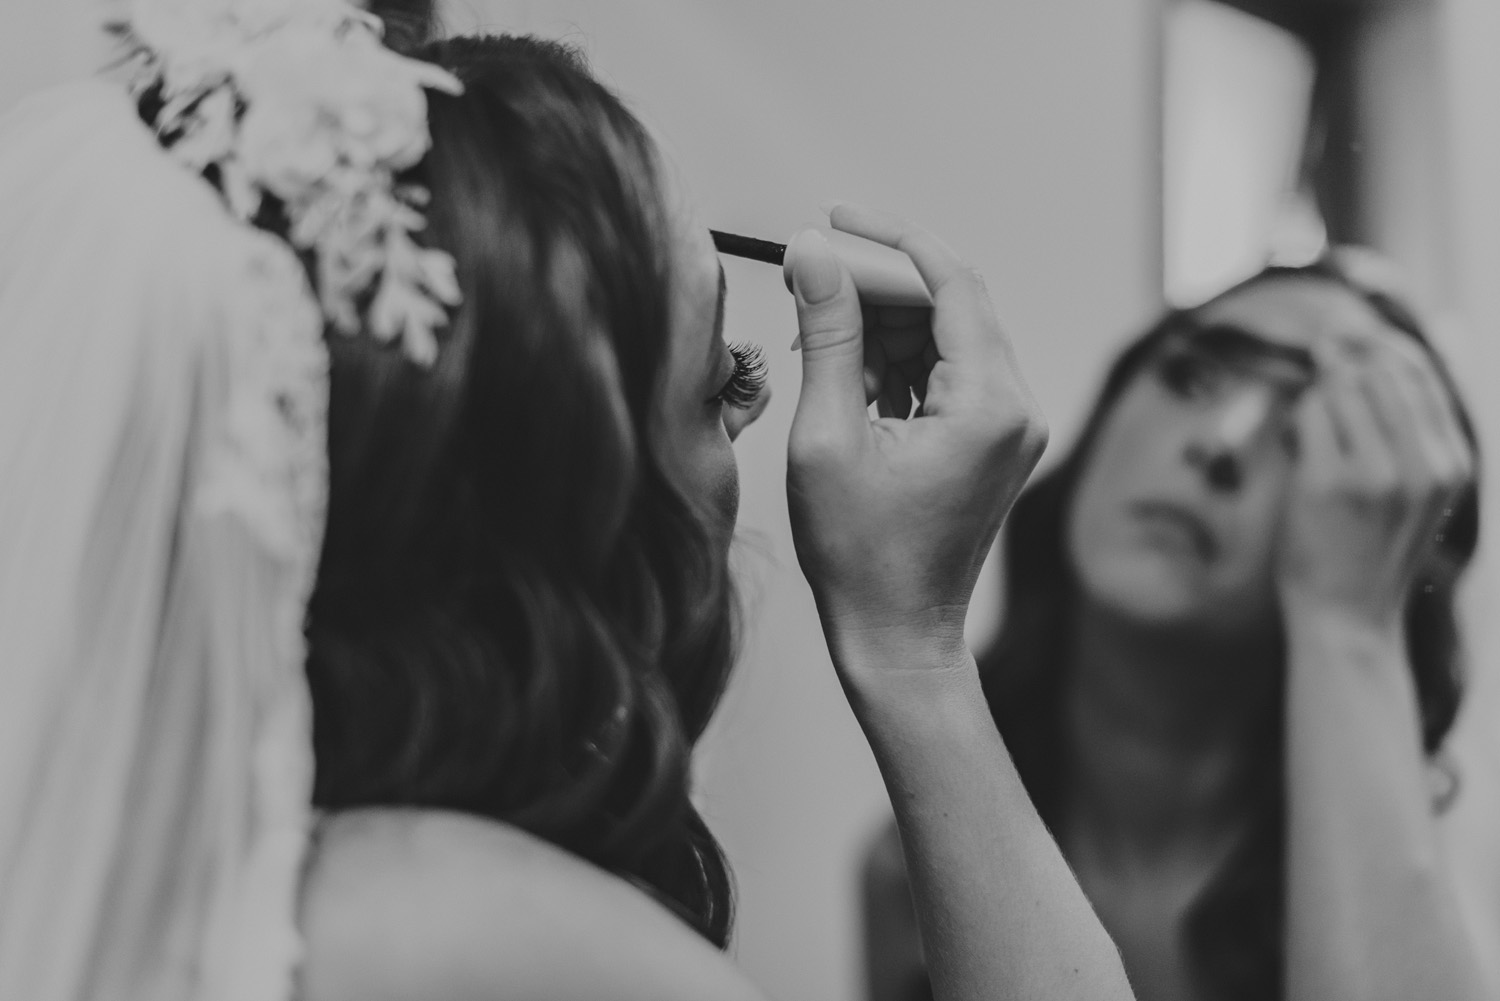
893,517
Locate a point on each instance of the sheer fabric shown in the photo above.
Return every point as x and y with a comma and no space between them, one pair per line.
162,473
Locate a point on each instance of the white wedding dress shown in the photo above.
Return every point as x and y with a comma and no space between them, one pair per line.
162,404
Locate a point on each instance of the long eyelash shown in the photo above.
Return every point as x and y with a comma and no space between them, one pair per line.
749,379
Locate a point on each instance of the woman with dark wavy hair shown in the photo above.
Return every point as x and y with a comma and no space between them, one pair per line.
523,616
1229,656
366,497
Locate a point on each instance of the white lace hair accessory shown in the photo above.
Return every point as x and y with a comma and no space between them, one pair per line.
297,103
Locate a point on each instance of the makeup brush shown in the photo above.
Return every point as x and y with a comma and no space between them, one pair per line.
883,275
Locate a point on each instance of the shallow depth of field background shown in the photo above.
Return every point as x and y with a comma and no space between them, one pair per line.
1031,136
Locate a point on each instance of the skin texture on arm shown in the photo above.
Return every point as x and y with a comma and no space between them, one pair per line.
1372,913
892,519
1371,909
1001,913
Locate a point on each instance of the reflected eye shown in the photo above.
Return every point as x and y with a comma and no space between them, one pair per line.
1188,376
748,380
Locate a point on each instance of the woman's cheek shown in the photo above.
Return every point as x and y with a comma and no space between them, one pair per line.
701,462
723,484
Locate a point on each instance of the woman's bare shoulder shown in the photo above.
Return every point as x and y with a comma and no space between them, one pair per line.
439,906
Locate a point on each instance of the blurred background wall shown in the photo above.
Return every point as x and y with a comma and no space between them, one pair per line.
1030,136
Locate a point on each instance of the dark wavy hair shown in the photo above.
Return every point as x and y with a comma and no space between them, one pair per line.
1235,928
409,24
517,615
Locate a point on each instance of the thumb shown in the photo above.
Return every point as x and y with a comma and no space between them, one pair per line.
832,334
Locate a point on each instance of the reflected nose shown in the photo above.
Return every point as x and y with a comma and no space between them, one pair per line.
1223,471
1230,431
737,419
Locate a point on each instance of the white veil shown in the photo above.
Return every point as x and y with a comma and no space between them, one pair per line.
162,478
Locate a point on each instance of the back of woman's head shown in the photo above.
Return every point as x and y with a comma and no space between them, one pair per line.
1235,926
517,614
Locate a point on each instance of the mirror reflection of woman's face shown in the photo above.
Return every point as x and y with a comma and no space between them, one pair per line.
1177,508
697,418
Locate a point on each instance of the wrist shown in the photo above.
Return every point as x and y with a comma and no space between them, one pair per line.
907,680
1306,610
890,612
1332,632
862,643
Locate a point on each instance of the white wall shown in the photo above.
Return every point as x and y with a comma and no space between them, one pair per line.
1236,95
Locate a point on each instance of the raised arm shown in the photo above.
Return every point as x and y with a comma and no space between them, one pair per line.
892,519
1372,913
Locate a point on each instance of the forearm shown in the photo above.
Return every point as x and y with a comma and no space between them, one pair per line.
1371,913
1001,914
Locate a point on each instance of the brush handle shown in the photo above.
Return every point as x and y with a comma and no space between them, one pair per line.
883,275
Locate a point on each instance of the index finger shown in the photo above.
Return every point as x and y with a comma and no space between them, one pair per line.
958,293
935,260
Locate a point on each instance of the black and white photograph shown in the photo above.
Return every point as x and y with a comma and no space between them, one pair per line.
778,500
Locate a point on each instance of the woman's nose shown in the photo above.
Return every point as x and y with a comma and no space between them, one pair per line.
1220,447
737,419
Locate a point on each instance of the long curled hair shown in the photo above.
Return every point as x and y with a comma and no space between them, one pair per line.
1235,928
517,615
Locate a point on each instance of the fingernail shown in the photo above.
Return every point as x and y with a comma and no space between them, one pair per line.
797,342
828,205
815,271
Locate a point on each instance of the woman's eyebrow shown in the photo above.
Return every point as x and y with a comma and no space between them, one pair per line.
1233,339
716,342
719,308
718,356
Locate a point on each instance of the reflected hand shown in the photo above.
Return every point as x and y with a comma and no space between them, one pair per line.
892,518
1382,460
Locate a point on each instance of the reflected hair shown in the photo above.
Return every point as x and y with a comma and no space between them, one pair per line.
1235,928
517,615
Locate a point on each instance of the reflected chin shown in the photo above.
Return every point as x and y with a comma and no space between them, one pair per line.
1150,587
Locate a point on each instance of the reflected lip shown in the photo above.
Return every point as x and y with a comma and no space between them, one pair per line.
1181,518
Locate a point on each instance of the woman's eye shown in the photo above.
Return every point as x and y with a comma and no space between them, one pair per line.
747,381
1187,376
